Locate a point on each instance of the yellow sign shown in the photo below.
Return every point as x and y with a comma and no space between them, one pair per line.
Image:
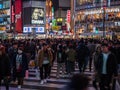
56,28
2,28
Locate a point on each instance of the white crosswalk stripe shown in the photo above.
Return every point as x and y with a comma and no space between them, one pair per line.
33,81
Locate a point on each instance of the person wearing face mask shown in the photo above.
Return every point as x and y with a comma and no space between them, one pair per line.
20,66
5,70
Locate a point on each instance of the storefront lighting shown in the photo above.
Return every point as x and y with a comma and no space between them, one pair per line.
50,4
101,11
59,20
46,3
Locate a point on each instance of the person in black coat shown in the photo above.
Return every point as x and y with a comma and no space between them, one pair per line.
82,52
20,66
5,70
106,67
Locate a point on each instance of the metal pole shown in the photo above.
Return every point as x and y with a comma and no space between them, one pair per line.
74,1
104,13
104,22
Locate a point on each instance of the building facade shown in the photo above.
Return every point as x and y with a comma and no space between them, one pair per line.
4,17
61,14
97,18
34,18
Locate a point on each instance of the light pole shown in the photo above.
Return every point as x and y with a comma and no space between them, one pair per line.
74,16
104,13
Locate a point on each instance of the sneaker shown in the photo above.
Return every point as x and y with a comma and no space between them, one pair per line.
19,86
45,80
42,82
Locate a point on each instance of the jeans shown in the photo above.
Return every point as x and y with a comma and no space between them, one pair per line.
61,66
86,63
70,66
81,65
44,70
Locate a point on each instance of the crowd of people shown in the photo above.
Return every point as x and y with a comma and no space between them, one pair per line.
15,56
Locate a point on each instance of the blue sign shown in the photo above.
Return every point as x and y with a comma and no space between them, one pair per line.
1,6
40,30
27,30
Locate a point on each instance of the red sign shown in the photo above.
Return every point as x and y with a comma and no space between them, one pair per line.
68,16
13,14
18,16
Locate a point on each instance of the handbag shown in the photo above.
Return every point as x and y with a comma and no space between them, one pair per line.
26,74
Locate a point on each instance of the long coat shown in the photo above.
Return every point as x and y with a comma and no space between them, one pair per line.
4,66
24,65
41,57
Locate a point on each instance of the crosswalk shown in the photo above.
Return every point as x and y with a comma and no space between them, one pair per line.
33,81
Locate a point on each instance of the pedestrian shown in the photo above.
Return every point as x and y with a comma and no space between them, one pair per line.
12,51
95,60
71,60
61,57
91,47
82,53
106,67
44,62
5,70
20,66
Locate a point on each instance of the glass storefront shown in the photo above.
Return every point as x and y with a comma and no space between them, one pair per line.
4,15
92,20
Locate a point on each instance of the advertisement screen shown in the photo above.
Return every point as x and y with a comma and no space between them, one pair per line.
18,17
37,16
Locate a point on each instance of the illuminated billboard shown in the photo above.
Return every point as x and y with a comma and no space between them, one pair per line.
40,30
27,30
37,17
37,30
18,16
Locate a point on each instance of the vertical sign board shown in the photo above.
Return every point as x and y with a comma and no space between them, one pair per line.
12,15
18,16
68,16
12,11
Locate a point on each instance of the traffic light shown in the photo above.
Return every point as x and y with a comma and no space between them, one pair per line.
96,31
